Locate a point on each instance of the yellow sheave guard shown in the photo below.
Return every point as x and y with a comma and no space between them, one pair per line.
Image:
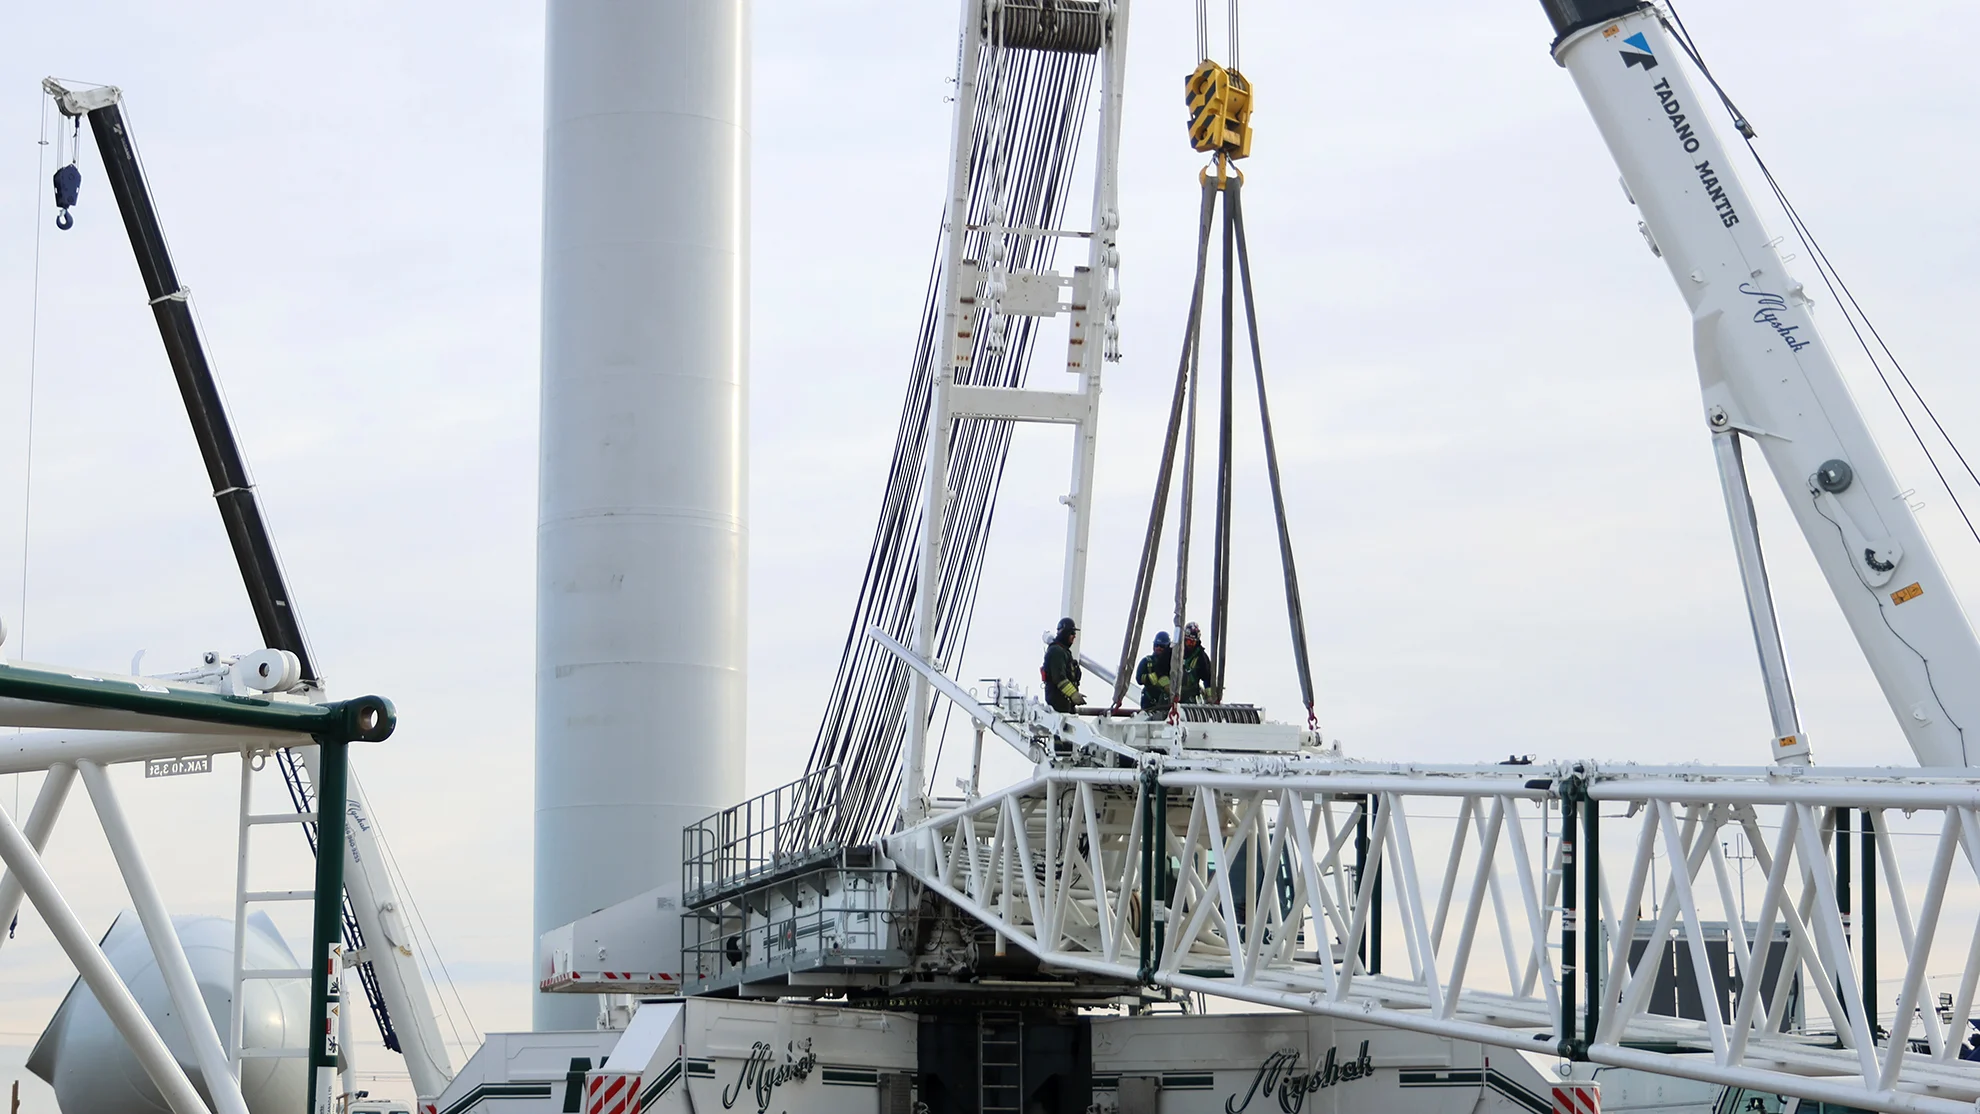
1219,110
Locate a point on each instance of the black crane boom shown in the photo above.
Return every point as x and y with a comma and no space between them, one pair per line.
226,468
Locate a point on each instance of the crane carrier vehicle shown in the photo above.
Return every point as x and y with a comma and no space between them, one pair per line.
1424,937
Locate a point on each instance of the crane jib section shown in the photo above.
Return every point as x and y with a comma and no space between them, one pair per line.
1692,922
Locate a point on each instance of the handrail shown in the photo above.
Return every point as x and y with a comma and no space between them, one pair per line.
768,835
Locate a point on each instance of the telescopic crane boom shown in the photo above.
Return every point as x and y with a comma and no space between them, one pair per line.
374,928
1767,376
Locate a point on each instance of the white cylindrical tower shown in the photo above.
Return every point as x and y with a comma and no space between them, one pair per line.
641,552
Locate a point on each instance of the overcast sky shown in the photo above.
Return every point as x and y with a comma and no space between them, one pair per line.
1502,497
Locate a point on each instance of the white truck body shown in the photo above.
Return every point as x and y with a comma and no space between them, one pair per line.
761,1057
1267,1063
1287,1063
707,1054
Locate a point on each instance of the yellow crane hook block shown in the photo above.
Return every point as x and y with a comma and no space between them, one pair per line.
1219,110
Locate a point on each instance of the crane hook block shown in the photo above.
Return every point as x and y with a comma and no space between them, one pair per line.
1219,110
68,183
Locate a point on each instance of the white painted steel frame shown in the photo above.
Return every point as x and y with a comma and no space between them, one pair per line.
1056,865
26,873
166,949
376,904
111,993
40,822
62,755
1789,747
243,897
1092,342
34,751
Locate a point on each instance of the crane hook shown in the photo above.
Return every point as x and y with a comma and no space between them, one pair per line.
68,183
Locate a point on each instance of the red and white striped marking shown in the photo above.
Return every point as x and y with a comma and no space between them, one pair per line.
611,1092
1576,1097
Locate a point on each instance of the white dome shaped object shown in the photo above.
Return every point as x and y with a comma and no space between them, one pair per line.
83,1057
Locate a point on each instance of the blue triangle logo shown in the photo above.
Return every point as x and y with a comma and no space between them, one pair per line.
1639,54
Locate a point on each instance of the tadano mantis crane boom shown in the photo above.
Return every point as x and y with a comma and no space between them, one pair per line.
1767,375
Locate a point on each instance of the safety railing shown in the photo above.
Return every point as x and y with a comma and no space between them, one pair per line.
769,836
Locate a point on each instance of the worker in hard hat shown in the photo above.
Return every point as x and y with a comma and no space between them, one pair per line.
1061,672
1153,676
1195,681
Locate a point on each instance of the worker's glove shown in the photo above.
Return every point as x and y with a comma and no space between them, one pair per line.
1079,699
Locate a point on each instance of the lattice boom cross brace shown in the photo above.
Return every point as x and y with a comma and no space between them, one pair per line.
1269,887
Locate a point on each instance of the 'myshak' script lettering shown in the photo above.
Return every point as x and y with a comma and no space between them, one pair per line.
1769,314
1710,179
761,1074
1279,1077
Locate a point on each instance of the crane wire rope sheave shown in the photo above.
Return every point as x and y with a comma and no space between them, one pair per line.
233,487
1219,100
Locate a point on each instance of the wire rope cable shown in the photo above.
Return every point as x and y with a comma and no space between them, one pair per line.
27,438
1182,396
1230,31
1236,274
1853,313
295,772
1185,512
226,405
1295,609
1234,36
1021,152
416,921
1220,544
34,356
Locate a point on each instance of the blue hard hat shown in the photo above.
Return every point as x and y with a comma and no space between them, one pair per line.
1161,639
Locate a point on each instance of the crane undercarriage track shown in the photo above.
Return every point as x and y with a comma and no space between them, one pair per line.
1263,881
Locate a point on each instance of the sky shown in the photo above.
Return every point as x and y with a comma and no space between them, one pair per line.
1508,523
